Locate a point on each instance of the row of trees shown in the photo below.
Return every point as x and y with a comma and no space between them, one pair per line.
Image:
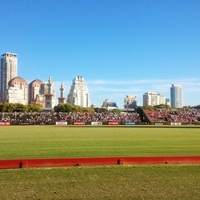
66,107
17,107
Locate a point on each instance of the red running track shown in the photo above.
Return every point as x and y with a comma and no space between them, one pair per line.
63,162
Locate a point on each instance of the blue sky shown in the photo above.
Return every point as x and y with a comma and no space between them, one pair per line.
120,47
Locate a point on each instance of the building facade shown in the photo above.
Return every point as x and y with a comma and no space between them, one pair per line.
8,71
153,99
79,94
110,105
42,93
176,95
34,91
130,102
17,91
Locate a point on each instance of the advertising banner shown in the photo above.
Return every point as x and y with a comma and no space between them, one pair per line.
113,123
79,123
129,123
4,123
175,124
61,123
158,124
96,123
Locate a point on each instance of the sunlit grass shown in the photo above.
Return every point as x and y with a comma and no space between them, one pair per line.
56,142
111,182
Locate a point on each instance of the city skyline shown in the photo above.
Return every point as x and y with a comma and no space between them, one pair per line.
120,47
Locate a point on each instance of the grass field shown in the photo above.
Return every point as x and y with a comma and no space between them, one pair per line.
102,183
99,182
57,142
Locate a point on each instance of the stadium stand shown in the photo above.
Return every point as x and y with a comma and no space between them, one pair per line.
70,118
173,116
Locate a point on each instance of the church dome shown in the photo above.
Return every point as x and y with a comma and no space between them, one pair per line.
17,79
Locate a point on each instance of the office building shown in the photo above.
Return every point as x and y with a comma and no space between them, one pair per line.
176,94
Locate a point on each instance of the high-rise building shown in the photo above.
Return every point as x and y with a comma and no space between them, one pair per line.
153,99
79,94
8,71
176,94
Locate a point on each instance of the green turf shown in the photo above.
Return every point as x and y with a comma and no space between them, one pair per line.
54,142
112,182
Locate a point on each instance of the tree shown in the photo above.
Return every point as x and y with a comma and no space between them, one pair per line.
117,111
197,107
147,107
66,107
100,110
60,108
20,108
34,107
162,106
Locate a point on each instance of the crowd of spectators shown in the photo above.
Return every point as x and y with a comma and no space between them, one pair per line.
190,116
70,118
174,116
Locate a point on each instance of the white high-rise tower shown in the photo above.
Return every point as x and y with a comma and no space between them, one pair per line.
176,93
79,94
8,71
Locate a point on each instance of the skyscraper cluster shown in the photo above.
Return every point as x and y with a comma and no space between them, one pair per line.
176,97
14,89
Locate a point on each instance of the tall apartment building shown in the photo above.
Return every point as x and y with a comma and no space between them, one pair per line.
176,94
153,99
79,94
8,71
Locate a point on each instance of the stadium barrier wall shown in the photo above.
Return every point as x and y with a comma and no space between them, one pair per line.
65,123
64,162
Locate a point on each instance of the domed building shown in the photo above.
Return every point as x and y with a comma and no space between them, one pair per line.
17,91
42,93
34,91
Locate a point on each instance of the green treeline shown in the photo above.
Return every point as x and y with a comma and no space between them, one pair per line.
18,107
